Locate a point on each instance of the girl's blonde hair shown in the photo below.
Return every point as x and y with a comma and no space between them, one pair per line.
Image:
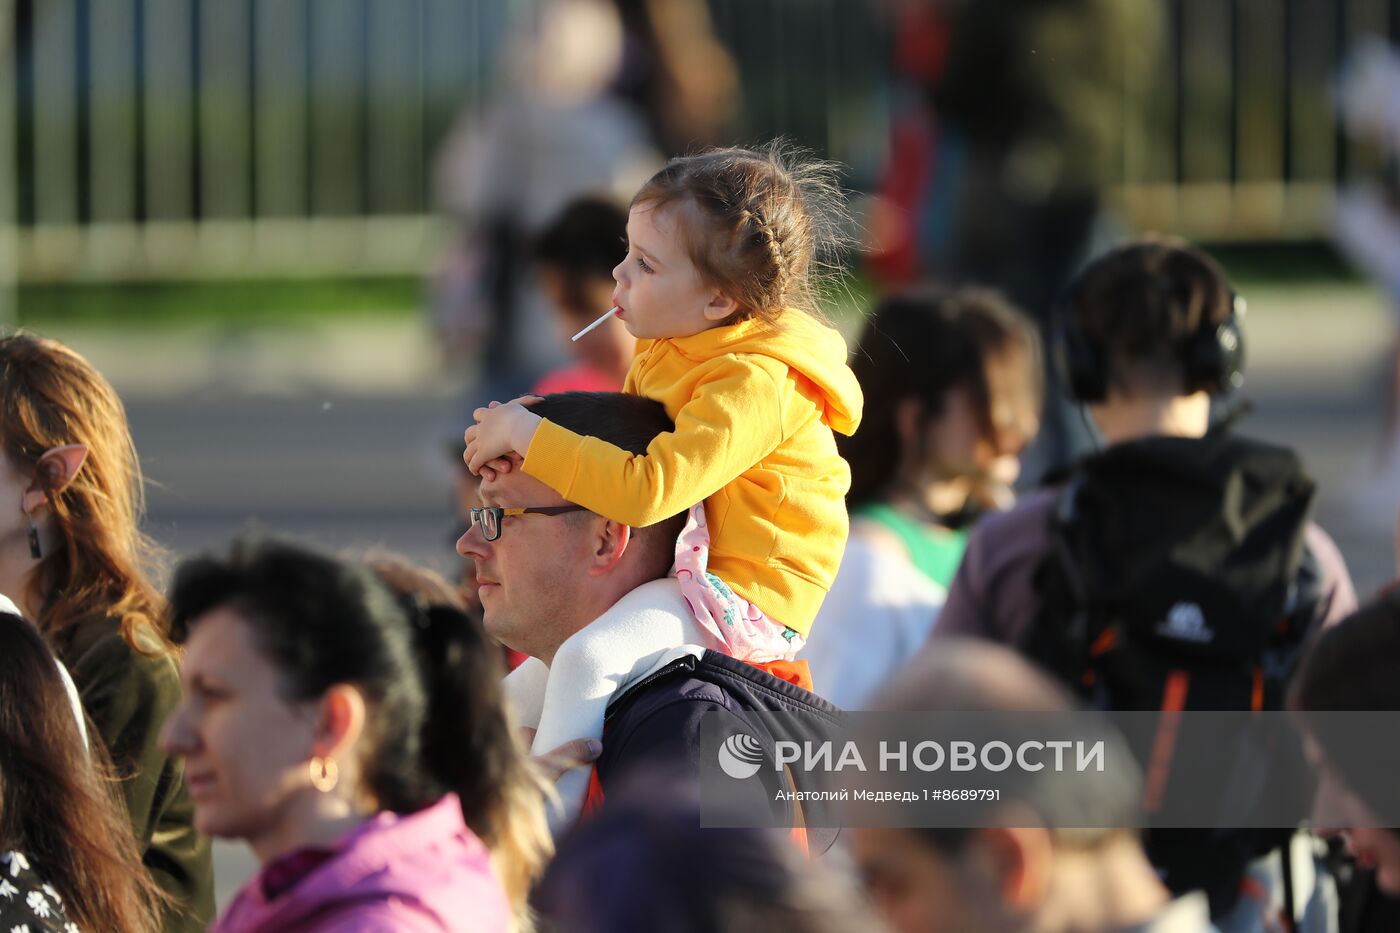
764,226
49,397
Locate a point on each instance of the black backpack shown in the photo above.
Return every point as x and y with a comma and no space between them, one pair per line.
1177,578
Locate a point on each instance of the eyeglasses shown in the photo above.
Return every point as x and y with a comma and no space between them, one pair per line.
489,519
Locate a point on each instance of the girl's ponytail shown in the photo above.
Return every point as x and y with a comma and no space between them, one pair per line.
468,743
472,747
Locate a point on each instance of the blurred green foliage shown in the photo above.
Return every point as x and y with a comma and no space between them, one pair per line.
1314,262
253,302
258,303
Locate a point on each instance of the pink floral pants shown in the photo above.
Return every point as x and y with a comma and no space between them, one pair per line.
749,634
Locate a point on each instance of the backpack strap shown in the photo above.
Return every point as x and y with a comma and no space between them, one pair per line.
1062,649
1159,763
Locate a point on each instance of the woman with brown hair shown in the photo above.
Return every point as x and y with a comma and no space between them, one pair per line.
951,379
67,857
72,557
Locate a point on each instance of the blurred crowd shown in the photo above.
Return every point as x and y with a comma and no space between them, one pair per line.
1019,485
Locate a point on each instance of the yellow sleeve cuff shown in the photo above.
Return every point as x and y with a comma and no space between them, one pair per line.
553,457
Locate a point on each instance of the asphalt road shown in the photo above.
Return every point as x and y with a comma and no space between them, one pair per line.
344,472
339,470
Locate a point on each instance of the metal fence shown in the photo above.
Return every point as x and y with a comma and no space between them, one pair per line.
172,138
1242,137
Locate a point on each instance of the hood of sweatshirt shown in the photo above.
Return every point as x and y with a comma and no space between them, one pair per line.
400,871
804,344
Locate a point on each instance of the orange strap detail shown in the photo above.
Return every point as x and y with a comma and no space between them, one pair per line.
1160,762
1252,888
1256,701
593,800
798,833
794,672
799,673
1106,640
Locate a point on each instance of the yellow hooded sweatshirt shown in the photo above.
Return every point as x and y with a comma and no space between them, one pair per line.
754,409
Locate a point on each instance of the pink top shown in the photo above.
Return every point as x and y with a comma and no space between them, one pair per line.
408,874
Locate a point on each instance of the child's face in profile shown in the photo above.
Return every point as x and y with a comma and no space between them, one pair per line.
659,290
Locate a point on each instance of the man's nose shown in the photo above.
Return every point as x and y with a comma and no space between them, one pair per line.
472,545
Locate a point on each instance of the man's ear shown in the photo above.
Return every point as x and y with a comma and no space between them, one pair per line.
721,307
340,722
56,469
1019,860
610,544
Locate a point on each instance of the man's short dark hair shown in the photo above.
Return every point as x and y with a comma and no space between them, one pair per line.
627,421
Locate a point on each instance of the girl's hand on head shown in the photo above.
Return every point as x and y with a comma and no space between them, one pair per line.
501,465
500,430
470,436
526,400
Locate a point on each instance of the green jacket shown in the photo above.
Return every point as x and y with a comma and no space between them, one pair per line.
128,696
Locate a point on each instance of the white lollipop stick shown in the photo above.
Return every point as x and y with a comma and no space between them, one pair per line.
596,323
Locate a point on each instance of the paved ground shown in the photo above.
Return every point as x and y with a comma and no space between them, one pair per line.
338,434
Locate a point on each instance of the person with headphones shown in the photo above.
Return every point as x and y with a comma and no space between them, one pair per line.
1177,566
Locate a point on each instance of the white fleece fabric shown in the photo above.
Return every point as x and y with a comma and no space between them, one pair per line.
643,631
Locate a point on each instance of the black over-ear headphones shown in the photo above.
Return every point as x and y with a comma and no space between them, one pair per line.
1212,358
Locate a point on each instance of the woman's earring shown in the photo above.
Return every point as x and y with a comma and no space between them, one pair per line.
35,551
324,773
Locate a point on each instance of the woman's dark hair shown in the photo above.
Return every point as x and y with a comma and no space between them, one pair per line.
645,863
584,242
1143,302
58,803
512,820
436,716
922,345
1351,667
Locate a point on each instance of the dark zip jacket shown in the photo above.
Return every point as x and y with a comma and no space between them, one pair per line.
655,726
